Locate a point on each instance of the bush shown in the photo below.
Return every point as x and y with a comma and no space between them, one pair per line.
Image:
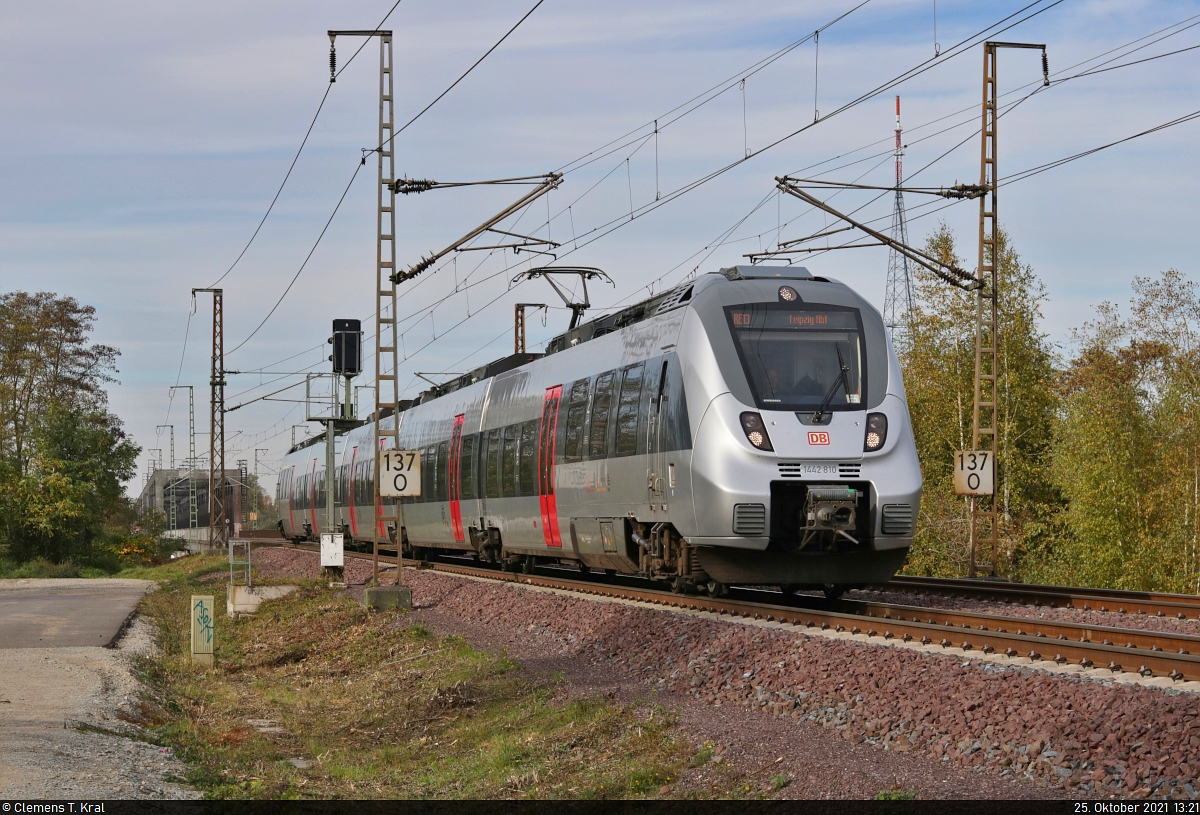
143,550
40,567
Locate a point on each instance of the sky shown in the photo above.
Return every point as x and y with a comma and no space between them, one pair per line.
143,142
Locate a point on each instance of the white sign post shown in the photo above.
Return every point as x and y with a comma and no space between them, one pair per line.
331,550
203,630
400,473
332,559
974,472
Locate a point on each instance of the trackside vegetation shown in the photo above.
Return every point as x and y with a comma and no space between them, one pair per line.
316,697
1098,442
63,455
1098,439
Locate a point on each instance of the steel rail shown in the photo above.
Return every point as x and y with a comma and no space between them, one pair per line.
1054,630
1155,604
950,629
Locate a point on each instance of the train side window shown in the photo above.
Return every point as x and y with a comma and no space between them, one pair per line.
576,419
579,392
627,410
466,468
428,472
601,407
573,449
508,465
528,458
443,464
493,464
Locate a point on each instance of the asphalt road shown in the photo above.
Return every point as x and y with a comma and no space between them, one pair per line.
65,612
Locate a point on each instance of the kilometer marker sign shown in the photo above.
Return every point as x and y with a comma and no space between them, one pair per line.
400,474
974,472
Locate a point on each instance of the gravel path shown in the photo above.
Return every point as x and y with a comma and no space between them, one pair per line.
62,734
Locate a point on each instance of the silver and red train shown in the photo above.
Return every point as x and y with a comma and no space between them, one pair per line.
747,427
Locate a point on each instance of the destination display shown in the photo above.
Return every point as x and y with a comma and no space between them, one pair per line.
792,320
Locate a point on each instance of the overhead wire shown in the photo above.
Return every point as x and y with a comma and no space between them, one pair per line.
950,53
878,90
1022,175
1008,107
464,75
307,258
954,51
362,163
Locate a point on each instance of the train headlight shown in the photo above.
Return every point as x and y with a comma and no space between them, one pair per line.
876,432
756,431
788,295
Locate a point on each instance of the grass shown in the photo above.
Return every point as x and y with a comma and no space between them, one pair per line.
40,567
315,697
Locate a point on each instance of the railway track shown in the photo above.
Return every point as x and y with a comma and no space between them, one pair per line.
1149,653
1180,606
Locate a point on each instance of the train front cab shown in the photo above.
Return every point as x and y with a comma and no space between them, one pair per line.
804,467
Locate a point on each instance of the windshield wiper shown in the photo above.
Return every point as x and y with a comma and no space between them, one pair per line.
819,416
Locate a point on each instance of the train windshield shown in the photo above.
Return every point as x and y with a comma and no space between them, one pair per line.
799,356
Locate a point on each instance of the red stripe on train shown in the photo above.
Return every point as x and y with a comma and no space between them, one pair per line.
546,500
350,494
453,477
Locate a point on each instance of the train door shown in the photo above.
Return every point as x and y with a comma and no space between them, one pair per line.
312,500
379,515
656,444
291,497
454,487
352,493
545,466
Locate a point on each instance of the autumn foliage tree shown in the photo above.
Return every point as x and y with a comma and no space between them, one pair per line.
937,352
1126,451
63,456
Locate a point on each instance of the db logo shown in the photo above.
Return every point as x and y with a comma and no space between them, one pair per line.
818,438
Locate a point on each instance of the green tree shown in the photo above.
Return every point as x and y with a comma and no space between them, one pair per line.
56,509
1126,452
62,454
46,359
937,354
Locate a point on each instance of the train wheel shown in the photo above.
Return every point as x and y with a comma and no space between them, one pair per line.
679,585
715,588
527,565
833,590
